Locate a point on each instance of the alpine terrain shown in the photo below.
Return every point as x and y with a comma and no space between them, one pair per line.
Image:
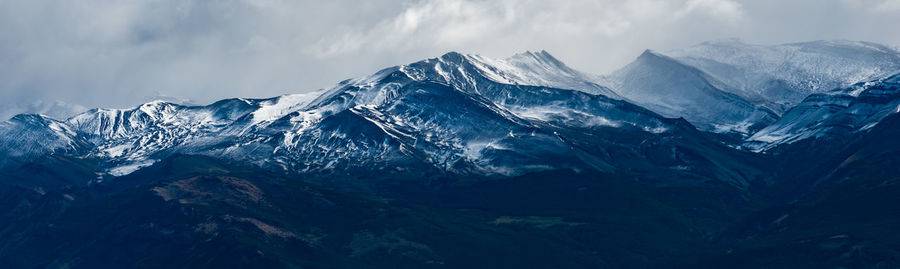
720,155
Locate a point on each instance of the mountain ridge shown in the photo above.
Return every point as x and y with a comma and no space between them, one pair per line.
780,76
457,161
133,138
674,89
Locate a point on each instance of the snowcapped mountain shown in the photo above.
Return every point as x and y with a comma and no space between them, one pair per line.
833,115
780,76
133,137
674,89
538,69
423,164
32,135
423,112
458,114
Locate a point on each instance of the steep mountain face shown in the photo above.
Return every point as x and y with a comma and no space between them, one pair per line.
423,113
26,136
834,115
129,139
419,115
780,76
43,153
537,69
465,161
674,89
601,131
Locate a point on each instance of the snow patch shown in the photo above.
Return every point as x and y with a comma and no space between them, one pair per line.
124,170
116,150
275,109
656,130
740,127
562,114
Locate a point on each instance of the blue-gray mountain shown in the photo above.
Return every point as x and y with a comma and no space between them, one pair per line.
459,114
718,146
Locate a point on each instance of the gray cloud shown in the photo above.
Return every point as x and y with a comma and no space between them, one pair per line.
118,53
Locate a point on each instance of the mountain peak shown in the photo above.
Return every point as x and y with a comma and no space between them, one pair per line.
654,58
527,58
648,53
537,55
158,103
542,58
453,56
673,89
780,76
531,68
31,119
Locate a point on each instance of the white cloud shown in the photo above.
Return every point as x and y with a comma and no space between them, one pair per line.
725,9
888,5
877,6
460,22
115,53
439,21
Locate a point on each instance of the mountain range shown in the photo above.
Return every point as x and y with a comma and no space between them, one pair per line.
723,154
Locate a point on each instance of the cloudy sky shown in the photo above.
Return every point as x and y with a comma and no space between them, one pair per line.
114,53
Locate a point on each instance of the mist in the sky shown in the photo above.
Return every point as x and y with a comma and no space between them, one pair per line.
75,54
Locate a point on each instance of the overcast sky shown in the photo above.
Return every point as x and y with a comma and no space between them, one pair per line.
114,53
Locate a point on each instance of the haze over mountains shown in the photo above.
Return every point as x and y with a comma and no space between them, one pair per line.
772,77
723,145
720,86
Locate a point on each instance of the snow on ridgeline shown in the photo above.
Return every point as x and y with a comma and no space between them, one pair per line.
275,108
673,89
780,76
538,69
835,113
300,126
